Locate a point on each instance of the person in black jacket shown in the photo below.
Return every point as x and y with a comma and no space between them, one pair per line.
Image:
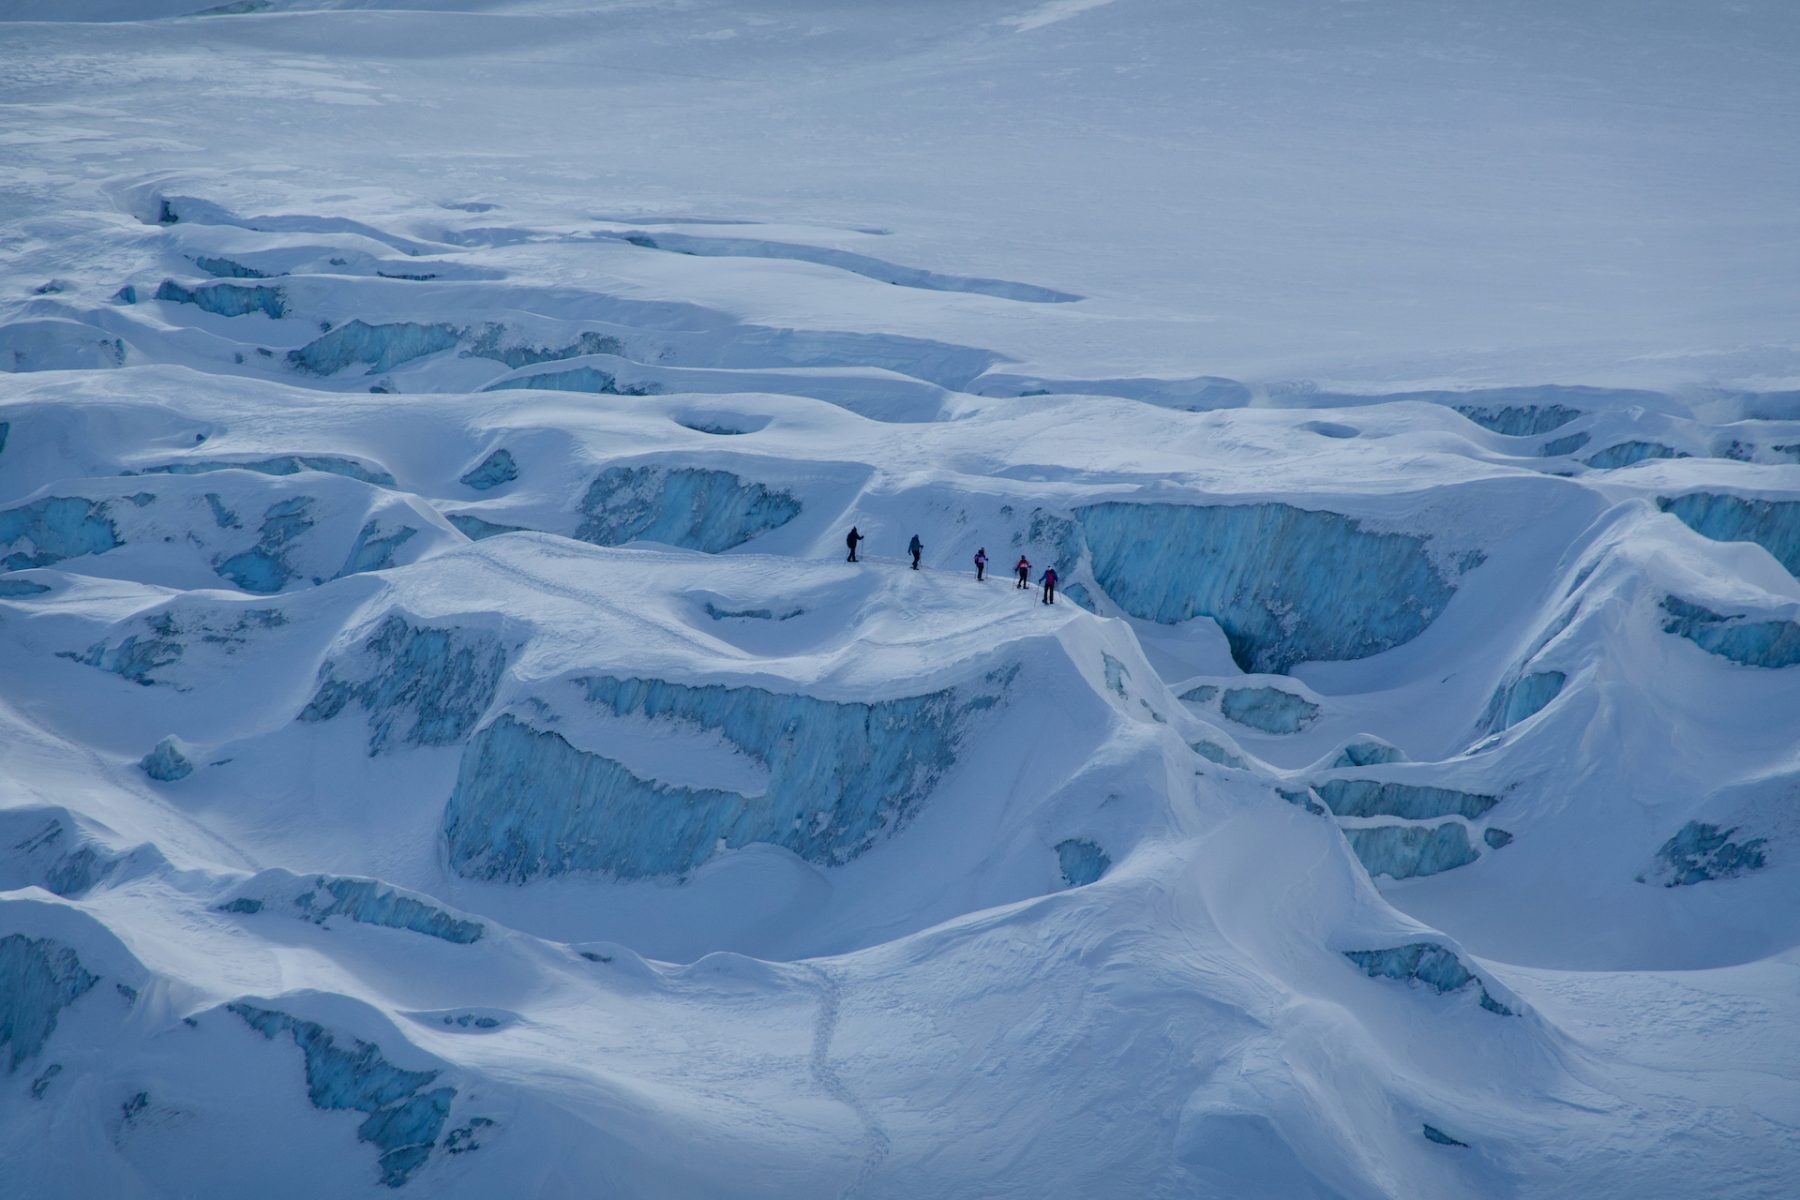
915,548
851,541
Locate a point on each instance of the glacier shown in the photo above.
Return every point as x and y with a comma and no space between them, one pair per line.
1407,851
365,901
1287,585
529,805
1753,643
1772,524
419,685
39,978
1700,852
1269,709
1435,966
691,507
1412,802
53,529
167,763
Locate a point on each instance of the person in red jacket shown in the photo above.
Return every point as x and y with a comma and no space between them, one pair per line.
1023,567
1049,582
981,564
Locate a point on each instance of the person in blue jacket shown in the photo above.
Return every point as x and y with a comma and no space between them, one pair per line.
915,548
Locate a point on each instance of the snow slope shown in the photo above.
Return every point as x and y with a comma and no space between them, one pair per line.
445,750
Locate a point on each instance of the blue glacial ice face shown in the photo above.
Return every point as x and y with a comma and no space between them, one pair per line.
167,635
227,299
1627,454
374,551
1770,643
1082,861
281,464
225,268
590,380
1523,697
1520,420
222,516
528,805
166,763
18,589
367,902
379,347
1287,585
1366,752
1406,851
1435,966
1772,524
1567,444
404,1118
38,979
264,568
1434,1134
490,341
57,527
1214,752
690,507
1700,852
5,428
1409,802
475,528
46,848
1268,709
1200,693
419,685
494,470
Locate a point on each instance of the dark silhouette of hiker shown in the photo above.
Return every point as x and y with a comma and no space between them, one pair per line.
915,548
1023,567
1049,582
981,564
851,541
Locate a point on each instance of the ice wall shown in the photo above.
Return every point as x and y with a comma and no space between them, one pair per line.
264,568
691,507
1410,802
527,804
419,685
365,901
280,464
1428,963
1772,524
55,528
166,763
1406,851
1520,420
1287,585
1626,454
379,347
1767,643
39,978
1523,697
226,299
405,1114
494,470
1082,862
1700,852
374,551
1268,709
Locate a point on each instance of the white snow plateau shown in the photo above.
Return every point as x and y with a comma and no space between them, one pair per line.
444,750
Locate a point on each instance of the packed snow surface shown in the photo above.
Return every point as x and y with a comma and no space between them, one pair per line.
445,752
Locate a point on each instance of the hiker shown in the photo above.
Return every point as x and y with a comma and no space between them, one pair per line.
1049,582
851,541
981,564
1023,567
915,548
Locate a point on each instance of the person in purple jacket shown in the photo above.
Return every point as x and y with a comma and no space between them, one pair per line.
981,564
1049,582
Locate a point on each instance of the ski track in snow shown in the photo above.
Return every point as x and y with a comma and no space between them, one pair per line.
831,996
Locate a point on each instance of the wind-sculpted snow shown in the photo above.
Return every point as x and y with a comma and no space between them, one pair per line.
1524,697
226,299
56,344
318,898
1772,524
475,528
1405,851
1081,861
419,685
1411,802
283,464
166,763
496,469
404,1118
1753,643
1700,852
1435,966
1520,420
1286,585
1268,709
378,347
1626,454
841,776
39,978
691,507
53,529
264,568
